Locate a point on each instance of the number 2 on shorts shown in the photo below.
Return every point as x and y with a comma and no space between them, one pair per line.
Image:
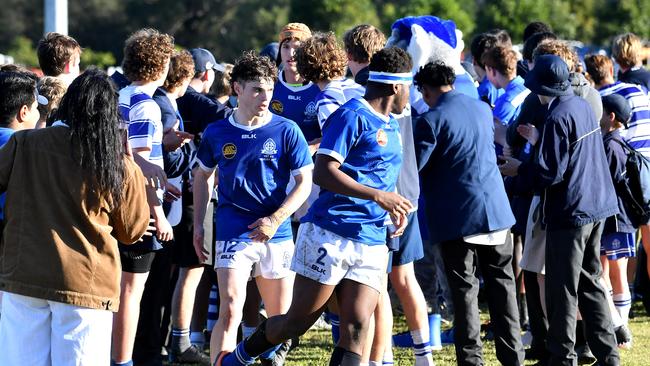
323,253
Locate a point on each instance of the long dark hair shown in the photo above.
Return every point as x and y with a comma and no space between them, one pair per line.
90,109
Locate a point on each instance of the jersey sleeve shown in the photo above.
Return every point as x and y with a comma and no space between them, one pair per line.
343,129
206,155
325,106
504,111
142,124
299,156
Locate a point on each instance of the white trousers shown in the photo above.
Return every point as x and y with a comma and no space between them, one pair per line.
38,332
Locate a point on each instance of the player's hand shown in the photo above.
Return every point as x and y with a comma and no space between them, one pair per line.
171,193
199,235
529,132
154,175
150,230
263,229
400,223
164,231
173,139
510,167
395,204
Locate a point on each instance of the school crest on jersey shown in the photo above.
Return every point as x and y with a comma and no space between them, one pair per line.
382,138
277,107
269,149
310,109
229,150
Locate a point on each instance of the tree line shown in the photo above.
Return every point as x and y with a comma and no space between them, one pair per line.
227,27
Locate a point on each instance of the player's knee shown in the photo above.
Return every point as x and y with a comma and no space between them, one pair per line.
355,329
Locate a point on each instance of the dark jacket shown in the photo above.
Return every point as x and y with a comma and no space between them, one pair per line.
176,162
638,76
572,170
616,157
199,110
462,188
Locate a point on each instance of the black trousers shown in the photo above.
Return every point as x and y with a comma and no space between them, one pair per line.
495,262
572,280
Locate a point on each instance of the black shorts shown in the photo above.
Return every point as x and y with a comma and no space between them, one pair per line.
137,260
183,253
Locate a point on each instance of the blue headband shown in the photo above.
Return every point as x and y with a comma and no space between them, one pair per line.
390,78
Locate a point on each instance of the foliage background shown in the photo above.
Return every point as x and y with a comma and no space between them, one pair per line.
229,26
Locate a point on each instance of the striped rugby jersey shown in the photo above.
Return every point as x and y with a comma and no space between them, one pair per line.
638,131
144,120
335,94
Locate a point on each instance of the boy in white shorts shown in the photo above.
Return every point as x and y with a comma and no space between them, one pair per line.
341,244
256,152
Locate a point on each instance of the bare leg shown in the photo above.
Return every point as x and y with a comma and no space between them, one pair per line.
125,322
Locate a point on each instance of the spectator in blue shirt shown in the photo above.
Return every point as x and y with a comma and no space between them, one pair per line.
487,92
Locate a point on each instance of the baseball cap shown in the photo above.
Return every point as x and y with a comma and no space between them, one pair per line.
204,60
617,104
549,77
298,31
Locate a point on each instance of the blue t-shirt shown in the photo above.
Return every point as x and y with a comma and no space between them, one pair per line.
297,104
5,134
488,92
255,165
369,147
508,105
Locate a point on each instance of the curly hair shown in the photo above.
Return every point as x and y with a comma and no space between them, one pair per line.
559,48
598,67
181,68
251,67
146,54
391,59
362,41
626,50
321,58
52,89
89,108
434,74
502,59
54,51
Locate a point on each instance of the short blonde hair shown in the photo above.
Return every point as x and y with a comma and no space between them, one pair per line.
559,48
626,50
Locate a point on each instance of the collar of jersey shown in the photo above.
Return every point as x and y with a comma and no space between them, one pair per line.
373,111
232,121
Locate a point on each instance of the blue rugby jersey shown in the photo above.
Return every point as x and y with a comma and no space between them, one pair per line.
488,92
297,103
638,131
335,94
255,164
368,145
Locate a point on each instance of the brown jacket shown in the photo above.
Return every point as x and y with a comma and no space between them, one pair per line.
60,239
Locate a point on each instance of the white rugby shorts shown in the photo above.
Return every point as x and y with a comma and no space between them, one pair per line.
269,260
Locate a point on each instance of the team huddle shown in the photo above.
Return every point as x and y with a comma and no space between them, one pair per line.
302,180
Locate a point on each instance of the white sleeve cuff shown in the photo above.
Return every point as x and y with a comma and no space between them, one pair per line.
331,153
205,168
300,170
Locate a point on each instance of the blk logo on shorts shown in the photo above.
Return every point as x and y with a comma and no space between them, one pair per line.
317,269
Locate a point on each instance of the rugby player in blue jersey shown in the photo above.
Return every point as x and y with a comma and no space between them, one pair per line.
341,243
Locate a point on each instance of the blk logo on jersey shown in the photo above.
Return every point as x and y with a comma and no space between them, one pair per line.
382,137
229,150
277,107
269,149
293,97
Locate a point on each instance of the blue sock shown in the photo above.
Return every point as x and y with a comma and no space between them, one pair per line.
334,321
238,357
127,363
270,353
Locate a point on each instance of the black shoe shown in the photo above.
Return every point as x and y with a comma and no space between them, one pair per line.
280,354
623,337
585,357
191,355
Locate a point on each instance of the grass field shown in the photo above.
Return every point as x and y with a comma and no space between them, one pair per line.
316,345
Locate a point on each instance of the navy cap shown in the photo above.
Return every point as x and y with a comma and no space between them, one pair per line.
549,77
204,60
271,50
617,104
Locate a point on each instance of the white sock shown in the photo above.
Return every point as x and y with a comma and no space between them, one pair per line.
246,331
374,363
388,356
617,321
623,303
422,347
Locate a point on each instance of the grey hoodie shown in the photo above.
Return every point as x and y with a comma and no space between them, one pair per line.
582,88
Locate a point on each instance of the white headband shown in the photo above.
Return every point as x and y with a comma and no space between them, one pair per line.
390,78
